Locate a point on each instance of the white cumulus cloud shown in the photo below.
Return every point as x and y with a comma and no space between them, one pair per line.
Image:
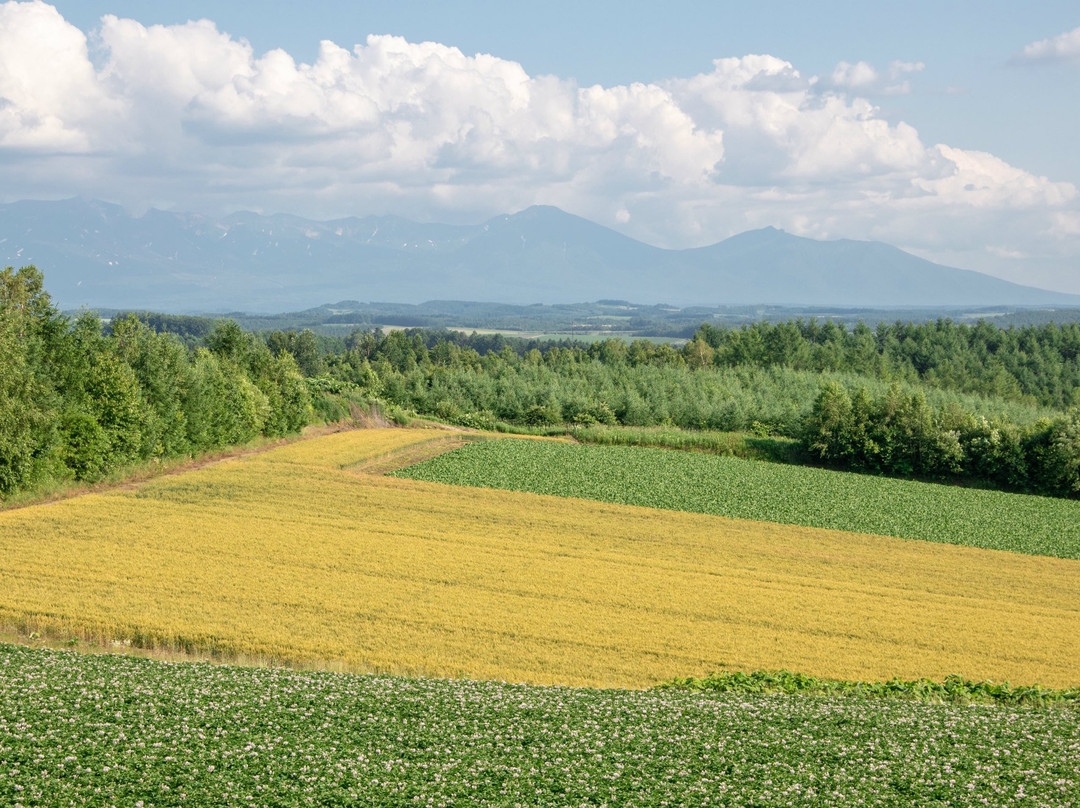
898,69
862,77
51,99
186,116
855,76
1061,48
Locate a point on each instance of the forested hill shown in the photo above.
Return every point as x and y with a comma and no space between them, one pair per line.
98,255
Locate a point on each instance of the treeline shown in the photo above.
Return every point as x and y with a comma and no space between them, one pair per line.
641,383
1036,364
77,403
1039,363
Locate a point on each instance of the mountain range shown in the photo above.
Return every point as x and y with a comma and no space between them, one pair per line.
95,254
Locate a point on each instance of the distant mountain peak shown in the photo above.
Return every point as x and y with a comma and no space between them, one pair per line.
544,210
94,253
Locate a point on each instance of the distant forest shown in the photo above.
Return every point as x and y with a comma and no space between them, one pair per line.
938,400
587,320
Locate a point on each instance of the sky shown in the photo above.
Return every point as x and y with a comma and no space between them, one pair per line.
946,128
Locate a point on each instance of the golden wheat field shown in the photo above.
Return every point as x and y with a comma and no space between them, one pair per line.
300,555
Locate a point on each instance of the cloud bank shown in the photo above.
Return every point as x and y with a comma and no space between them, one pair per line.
191,118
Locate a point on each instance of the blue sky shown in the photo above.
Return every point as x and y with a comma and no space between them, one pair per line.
948,129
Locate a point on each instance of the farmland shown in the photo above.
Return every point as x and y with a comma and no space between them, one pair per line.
298,555
106,730
744,489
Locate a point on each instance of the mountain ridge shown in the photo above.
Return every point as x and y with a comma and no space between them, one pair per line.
95,254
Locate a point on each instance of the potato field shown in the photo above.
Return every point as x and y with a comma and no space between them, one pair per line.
105,730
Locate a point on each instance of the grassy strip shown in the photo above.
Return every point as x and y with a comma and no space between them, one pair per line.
953,690
768,492
746,445
113,730
733,444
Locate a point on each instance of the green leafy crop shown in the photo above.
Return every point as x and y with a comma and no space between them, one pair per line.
746,489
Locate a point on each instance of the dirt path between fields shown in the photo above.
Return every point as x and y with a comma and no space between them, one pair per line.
410,455
154,469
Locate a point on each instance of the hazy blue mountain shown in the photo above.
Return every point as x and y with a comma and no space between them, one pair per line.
95,254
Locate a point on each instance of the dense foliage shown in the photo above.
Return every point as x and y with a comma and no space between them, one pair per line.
486,379
768,492
76,403
899,433
1040,364
877,401
100,730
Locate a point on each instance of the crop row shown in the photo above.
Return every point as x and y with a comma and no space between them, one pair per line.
769,492
107,730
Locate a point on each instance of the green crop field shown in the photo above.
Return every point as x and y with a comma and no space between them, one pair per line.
746,489
113,730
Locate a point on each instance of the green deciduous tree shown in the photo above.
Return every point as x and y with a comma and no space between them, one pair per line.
29,439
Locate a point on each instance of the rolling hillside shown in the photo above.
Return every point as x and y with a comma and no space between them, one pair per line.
306,554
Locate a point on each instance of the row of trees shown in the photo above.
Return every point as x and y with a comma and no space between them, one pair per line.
77,402
1034,364
1037,363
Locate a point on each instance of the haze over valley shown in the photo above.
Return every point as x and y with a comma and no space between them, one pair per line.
95,254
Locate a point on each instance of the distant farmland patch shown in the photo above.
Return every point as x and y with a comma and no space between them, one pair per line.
769,492
298,555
